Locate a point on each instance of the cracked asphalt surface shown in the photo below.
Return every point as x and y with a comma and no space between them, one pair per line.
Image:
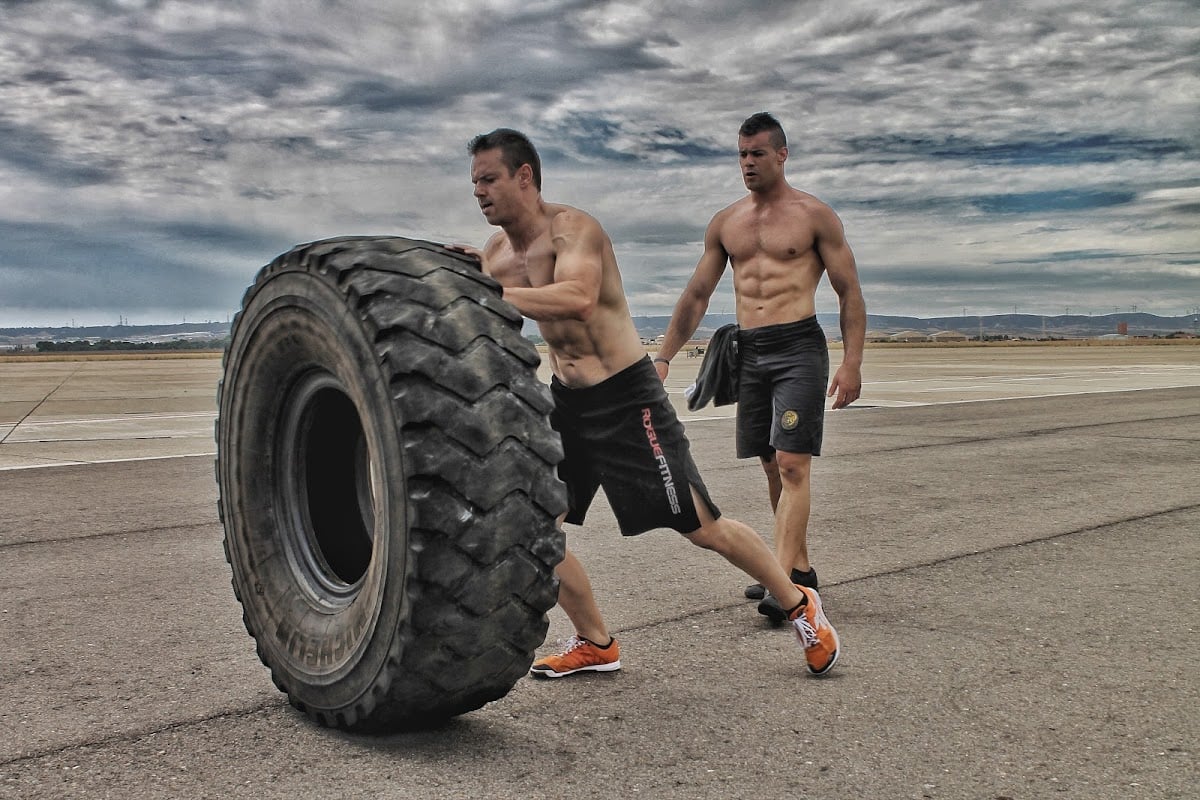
1013,580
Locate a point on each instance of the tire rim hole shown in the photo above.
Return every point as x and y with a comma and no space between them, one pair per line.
333,485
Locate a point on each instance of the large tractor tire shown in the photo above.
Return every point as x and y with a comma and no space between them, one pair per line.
386,472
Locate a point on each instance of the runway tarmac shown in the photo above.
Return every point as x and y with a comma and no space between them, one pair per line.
1007,541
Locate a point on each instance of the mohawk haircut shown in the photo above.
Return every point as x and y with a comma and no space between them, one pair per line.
763,121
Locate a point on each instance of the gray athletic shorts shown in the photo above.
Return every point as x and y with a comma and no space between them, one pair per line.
783,377
623,434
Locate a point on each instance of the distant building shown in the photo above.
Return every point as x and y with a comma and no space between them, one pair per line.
909,336
949,336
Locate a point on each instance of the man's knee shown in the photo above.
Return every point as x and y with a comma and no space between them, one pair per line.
703,537
713,535
793,467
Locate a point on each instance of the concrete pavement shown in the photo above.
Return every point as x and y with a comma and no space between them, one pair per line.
1013,581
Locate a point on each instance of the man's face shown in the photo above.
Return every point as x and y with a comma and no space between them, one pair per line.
761,163
496,189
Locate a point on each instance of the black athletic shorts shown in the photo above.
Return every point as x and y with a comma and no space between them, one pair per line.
783,377
623,434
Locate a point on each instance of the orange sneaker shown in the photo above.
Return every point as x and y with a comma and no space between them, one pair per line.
580,655
815,634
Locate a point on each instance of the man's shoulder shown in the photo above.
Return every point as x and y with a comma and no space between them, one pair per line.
809,200
566,213
732,211
806,208
810,205
495,241
745,201
564,218
824,220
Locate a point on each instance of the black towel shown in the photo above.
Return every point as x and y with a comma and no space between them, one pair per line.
718,378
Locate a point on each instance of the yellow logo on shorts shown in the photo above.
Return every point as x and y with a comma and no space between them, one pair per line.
789,420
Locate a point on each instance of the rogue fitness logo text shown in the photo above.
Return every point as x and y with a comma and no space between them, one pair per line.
664,468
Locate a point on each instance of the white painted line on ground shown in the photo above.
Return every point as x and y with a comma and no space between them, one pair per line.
128,418
705,419
867,403
105,461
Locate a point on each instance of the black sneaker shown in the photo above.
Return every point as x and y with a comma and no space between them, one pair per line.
756,591
770,607
805,579
772,610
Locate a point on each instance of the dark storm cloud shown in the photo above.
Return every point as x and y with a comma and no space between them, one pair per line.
1078,255
226,236
188,60
594,137
45,76
32,242
657,231
1046,277
30,149
1056,200
1006,143
121,272
381,96
543,53
1049,150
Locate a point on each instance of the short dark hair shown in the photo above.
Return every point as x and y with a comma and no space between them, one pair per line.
763,121
515,150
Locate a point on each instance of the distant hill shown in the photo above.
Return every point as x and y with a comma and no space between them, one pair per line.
188,331
1027,326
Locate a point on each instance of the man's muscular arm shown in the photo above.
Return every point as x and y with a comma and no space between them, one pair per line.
574,293
693,302
852,318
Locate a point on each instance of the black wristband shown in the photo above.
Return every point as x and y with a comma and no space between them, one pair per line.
666,361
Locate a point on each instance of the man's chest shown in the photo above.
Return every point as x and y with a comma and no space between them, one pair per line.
772,234
534,267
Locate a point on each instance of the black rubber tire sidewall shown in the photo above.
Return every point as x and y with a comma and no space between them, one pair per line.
301,327
409,348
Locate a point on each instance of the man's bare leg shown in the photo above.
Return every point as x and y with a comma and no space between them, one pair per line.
745,549
774,484
791,514
591,649
576,598
792,522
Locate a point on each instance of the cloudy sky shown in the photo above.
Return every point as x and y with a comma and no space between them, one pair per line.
984,156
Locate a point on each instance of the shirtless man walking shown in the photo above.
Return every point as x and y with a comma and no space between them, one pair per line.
779,240
619,431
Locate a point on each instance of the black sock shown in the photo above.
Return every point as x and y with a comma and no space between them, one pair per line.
803,602
807,579
601,646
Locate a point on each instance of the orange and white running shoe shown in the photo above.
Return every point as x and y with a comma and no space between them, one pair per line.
580,655
815,634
